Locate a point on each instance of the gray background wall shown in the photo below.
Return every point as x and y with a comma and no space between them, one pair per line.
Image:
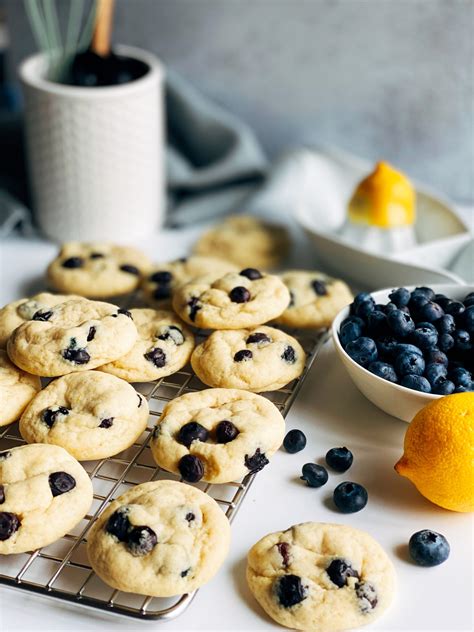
380,78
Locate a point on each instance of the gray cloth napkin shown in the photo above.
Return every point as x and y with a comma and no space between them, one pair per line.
214,161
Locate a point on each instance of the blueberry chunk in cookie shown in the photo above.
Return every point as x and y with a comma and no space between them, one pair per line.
290,590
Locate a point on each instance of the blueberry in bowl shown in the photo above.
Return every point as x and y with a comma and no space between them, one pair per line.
406,346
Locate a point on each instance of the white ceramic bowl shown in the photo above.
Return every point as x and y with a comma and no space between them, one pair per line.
394,399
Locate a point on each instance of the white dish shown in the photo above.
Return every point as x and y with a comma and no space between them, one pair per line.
440,233
396,400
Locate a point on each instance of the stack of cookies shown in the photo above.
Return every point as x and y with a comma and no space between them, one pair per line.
90,411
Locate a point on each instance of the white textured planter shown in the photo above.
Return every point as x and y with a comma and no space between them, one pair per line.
96,155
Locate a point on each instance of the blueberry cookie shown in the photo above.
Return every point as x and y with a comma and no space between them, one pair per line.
76,335
17,389
261,359
218,434
321,577
92,415
161,539
160,284
245,299
315,299
44,493
97,270
164,346
15,314
246,241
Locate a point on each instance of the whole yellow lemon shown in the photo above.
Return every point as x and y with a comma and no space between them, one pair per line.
439,452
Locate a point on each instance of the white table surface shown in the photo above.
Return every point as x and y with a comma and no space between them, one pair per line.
332,413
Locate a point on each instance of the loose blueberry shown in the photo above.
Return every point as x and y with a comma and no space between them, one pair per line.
390,307
383,370
364,309
130,269
256,462
377,324
239,294
61,483
431,312
400,297
340,459
194,307
469,300
243,355
73,262
107,423
225,432
424,337
387,345
363,351
354,319
319,287
434,372
339,572
42,315
289,355
258,338
359,299
162,277
50,415
157,357
294,441
455,309
445,342
417,301
77,356
119,525
314,475
350,497
462,340
400,324
284,551
446,324
443,386
192,431
428,548
407,348
425,291
191,468
9,524
251,273
289,590
435,356
468,319
141,540
416,383
349,332
409,363
461,377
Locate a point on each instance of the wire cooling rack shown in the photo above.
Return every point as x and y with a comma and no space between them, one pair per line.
62,570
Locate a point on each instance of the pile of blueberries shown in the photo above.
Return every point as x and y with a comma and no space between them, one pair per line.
420,339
